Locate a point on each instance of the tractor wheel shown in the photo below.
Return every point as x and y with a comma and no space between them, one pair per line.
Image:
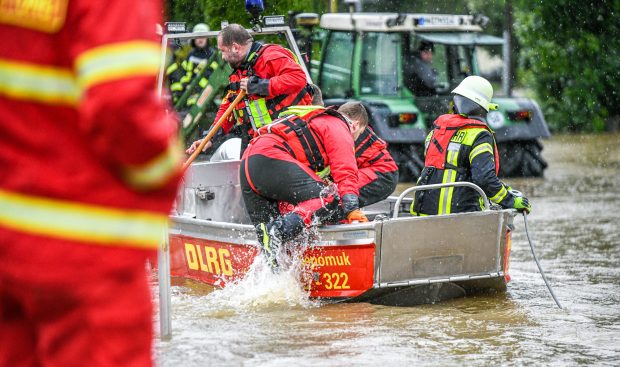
409,159
521,159
533,163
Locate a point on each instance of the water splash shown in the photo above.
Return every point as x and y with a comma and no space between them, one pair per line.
262,289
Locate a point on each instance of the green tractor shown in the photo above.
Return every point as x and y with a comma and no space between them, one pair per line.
368,57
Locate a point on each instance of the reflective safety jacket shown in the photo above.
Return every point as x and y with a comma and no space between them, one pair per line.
88,157
459,149
371,151
200,64
287,87
320,139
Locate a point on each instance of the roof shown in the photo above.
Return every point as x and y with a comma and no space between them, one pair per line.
395,22
453,38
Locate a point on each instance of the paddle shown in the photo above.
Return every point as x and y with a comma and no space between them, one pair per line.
214,129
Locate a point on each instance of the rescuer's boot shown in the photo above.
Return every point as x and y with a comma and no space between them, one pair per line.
270,240
273,234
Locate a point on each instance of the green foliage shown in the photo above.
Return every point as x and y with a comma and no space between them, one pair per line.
570,58
189,11
214,12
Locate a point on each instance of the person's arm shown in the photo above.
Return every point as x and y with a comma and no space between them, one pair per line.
121,116
338,144
227,125
482,160
426,74
283,74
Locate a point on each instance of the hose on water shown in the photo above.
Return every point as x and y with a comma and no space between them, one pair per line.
538,264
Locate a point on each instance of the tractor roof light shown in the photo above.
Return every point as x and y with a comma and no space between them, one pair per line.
307,19
481,19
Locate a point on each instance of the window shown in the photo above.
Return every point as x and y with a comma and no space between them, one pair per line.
379,64
335,79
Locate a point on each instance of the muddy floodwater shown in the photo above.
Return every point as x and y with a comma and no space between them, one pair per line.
575,226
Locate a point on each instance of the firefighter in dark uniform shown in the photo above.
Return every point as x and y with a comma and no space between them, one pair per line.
200,63
269,73
286,163
461,147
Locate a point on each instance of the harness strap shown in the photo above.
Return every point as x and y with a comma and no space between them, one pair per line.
372,138
379,156
306,138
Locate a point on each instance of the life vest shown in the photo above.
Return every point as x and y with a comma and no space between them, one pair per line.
449,132
299,138
255,110
369,148
449,150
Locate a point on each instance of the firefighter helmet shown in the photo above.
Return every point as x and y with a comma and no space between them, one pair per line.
476,89
201,27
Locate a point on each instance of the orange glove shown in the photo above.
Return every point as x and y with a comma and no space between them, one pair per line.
357,216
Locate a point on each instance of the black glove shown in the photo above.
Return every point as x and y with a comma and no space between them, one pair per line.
350,202
258,86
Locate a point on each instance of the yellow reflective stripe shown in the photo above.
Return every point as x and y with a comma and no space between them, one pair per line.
452,156
38,83
258,110
81,222
300,110
203,82
471,135
501,194
155,172
324,173
482,148
172,68
185,78
445,194
176,87
117,61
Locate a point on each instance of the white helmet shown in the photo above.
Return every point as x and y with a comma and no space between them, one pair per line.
477,89
201,27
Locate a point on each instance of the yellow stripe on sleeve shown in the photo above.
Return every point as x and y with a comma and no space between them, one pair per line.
156,172
117,61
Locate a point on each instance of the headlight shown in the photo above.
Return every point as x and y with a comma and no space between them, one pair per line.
495,119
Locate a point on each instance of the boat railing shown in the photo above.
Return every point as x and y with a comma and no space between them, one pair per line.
410,190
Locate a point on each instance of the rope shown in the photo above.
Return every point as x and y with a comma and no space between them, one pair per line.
538,264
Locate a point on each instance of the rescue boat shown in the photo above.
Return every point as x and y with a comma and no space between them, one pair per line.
394,259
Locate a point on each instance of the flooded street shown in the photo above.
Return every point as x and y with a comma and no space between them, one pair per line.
575,222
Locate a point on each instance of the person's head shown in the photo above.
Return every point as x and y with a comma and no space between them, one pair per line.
426,51
356,113
317,96
234,42
472,97
202,41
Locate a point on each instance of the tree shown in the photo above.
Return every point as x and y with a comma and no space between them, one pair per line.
214,12
571,58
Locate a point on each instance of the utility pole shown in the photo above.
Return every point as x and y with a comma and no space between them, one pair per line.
507,74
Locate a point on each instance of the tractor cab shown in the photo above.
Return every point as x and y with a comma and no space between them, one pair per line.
376,58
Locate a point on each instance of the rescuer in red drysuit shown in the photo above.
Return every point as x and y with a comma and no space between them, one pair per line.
377,172
286,162
271,76
89,167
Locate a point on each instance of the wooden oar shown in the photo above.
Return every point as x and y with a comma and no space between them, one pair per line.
214,129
